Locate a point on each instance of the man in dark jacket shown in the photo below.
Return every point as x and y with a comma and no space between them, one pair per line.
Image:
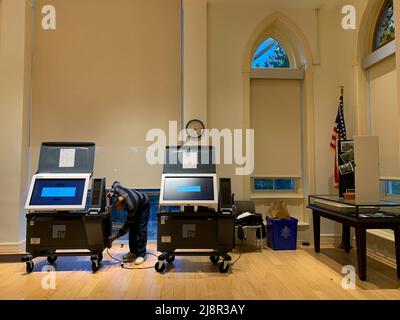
137,205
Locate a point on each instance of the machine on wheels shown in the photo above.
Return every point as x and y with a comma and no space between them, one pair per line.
64,217
199,227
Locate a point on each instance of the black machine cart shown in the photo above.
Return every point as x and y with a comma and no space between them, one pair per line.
54,227
195,230
204,226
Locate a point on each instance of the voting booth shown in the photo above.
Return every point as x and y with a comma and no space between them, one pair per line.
67,210
190,217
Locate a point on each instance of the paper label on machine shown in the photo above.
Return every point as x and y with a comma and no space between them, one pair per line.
189,231
67,158
189,160
59,231
166,239
35,240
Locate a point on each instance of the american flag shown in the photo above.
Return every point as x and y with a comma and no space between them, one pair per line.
339,133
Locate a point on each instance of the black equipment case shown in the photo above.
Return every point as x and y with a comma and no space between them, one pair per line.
182,233
70,233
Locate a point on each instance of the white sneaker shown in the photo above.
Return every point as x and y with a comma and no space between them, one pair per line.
129,257
139,260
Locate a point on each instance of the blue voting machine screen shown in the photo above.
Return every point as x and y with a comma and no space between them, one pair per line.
188,188
56,192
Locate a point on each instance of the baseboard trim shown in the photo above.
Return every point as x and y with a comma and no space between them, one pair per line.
12,247
386,256
391,262
381,247
326,239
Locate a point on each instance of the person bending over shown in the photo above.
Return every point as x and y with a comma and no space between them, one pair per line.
137,205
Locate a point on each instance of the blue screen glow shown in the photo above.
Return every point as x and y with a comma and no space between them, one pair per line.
188,188
58,192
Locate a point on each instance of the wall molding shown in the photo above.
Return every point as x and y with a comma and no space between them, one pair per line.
380,246
377,56
12,247
330,239
285,74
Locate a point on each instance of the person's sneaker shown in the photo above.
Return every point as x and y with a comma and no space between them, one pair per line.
139,260
129,257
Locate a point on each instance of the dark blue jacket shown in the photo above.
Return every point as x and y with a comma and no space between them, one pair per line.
135,202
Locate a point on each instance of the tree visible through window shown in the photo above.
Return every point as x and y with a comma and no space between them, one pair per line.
270,54
393,188
384,30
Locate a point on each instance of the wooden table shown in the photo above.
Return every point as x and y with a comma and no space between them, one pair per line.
361,225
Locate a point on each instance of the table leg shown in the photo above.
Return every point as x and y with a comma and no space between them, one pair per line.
317,230
397,244
361,239
346,238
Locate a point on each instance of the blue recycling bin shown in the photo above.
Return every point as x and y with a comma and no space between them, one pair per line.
282,233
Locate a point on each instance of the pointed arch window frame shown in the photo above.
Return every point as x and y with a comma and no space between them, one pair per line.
291,73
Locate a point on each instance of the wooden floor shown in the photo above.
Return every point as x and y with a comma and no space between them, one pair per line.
300,274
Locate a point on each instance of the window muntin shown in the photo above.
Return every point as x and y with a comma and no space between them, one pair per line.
273,184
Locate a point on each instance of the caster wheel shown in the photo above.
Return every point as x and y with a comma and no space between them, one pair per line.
170,259
224,266
95,266
29,266
100,257
159,266
214,259
51,259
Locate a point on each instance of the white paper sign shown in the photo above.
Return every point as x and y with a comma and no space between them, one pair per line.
189,160
67,158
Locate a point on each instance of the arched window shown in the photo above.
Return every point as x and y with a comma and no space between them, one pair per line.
270,54
384,30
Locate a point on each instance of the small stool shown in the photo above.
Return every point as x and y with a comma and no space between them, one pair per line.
254,228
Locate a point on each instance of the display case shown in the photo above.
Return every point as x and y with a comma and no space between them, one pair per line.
361,216
387,210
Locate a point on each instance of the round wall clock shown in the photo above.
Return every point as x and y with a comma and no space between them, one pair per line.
195,128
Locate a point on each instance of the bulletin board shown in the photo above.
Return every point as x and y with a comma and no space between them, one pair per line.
346,166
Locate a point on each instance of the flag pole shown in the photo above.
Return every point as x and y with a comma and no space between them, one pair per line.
344,234
341,90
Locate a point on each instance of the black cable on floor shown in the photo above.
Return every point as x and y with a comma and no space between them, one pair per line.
240,253
122,263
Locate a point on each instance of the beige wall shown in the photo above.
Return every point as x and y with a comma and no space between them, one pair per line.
230,25
15,56
195,60
107,74
384,115
102,59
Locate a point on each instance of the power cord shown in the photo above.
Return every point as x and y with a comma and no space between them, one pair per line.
122,263
240,253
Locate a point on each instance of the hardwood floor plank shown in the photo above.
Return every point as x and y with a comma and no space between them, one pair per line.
300,274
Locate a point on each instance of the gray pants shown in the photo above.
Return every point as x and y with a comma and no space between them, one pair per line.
138,232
